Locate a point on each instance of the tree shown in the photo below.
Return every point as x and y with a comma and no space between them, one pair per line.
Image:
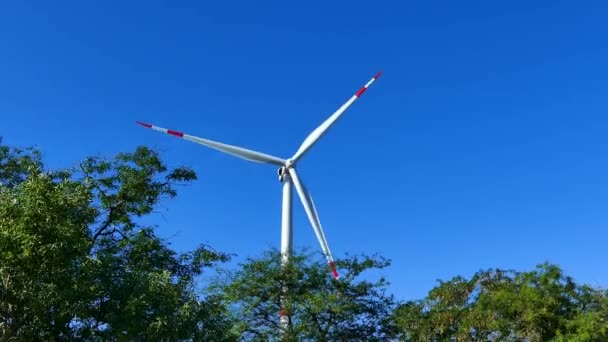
75,263
43,239
16,163
541,305
321,309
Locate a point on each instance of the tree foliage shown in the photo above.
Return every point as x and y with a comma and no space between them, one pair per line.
76,264
499,305
320,308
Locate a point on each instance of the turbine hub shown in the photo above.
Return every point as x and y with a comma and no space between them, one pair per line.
284,170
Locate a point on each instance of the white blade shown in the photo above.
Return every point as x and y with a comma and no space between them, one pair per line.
315,135
313,216
230,149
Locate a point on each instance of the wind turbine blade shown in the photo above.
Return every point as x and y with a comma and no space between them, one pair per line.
315,135
230,149
313,216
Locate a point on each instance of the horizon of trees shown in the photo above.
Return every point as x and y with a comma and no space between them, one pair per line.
76,263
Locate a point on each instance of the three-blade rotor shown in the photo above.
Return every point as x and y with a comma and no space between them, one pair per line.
288,164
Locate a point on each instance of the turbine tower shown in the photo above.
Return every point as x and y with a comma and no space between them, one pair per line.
287,175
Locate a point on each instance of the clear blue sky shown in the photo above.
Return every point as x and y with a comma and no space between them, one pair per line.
482,145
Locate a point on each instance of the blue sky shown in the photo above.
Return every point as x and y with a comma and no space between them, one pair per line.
482,145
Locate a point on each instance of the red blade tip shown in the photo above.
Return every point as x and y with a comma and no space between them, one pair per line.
378,75
334,272
144,124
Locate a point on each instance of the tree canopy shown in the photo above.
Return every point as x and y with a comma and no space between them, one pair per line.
320,308
504,305
76,263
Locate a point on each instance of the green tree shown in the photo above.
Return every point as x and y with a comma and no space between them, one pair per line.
16,164
321,309
541,305
75,263
43,240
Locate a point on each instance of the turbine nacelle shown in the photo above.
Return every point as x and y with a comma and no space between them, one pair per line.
283,172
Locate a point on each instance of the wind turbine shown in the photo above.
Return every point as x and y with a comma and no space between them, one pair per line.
287,175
